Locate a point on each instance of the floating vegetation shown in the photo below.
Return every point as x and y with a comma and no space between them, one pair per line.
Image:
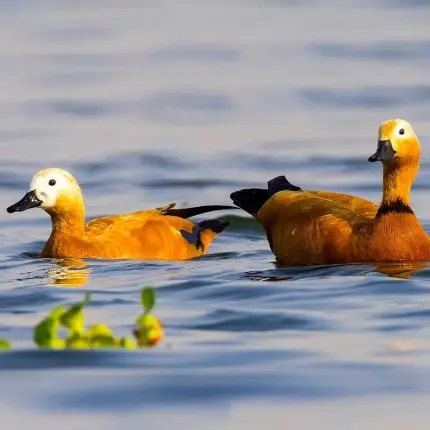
148,330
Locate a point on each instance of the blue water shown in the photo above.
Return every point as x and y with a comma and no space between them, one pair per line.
148,103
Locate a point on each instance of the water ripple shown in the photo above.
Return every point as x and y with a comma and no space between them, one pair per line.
186,102
188,107
383,51
242,321
199,52
367,97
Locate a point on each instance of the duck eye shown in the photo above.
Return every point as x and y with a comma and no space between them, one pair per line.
52,182
402,131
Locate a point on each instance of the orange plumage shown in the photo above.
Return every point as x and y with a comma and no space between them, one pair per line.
161,233
318,227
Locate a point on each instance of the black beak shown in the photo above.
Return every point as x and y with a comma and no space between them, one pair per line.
29,201
384,152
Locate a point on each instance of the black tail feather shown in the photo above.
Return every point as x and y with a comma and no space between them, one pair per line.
252,199
281,183
215,225
190,212
194,238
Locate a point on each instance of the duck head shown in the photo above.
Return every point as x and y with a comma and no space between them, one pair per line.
397,143
54,190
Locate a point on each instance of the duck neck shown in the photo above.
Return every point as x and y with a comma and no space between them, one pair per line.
398,180
71,223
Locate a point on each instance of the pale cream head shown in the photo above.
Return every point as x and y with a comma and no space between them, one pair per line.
50,184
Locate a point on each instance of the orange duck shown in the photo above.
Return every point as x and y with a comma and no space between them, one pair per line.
162,233
319,227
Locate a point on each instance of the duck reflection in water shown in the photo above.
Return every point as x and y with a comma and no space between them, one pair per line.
283,272
72,273
402,270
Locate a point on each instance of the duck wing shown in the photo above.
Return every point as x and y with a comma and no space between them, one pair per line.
98,225
355,204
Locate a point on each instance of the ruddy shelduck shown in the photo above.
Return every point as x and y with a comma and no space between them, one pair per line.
161,233
319,227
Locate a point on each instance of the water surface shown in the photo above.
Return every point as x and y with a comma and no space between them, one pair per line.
150,103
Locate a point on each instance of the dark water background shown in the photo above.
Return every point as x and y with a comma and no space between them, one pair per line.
150,102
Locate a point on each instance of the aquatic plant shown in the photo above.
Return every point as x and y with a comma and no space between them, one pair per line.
148,330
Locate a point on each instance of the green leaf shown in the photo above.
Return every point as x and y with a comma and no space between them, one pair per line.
148,299
101,336
127,343
45,333
4,344
99,330
103,341
75,341
73,318
57,344
56,312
